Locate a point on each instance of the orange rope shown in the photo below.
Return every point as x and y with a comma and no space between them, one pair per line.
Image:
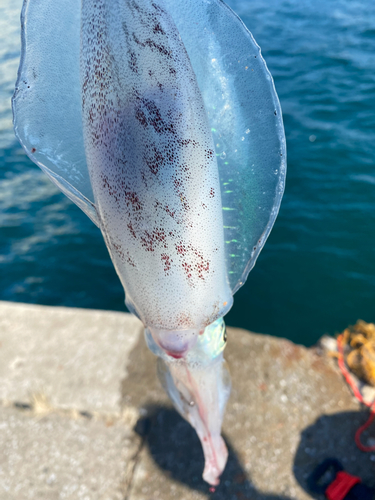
358,395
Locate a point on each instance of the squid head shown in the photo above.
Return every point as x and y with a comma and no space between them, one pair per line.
160,120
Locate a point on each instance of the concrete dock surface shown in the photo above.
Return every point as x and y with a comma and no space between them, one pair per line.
83,416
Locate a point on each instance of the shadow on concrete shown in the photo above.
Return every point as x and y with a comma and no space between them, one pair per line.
176,449
332,436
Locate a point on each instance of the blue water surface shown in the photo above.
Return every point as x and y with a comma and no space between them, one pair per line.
316,273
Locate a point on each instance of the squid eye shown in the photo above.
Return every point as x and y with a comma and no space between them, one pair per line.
225,337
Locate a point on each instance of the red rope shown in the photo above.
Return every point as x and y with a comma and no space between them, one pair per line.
358,395
341,486
363,427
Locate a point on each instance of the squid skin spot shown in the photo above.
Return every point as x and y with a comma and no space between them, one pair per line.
167,262
118,249
133,63
158,29
187,269
152,45
150,240
158,8
130,261
181,250
131,229
141,117
132,199
169,212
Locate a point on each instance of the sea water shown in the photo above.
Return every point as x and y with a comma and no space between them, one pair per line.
316,273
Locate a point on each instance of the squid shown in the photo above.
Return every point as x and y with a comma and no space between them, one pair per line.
160,120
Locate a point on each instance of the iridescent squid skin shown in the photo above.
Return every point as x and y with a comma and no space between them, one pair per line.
160,120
